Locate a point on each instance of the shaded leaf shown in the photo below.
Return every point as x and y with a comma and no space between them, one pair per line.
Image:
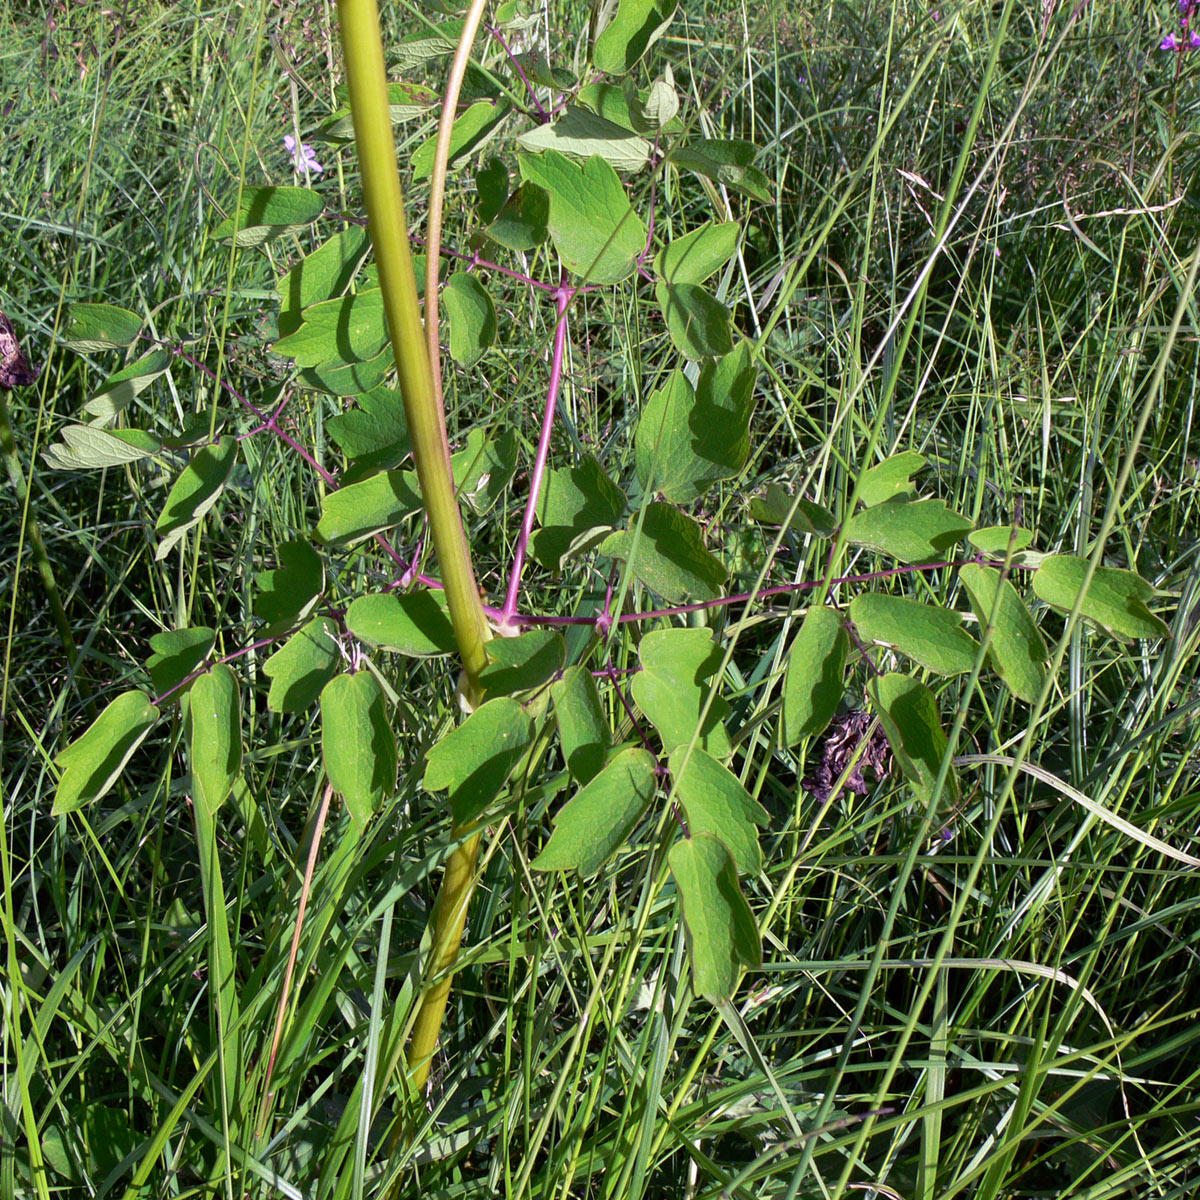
1115,601
472,128
696,320
474,761
91,764
600,817
363,508
195,492
721,933
574,500
491,189
929,635
483,467
288,592
908,712
374,435
178,653
472,317
672,688
583,732
522,663
697,255
911,532
266,213
120,388
715,802
1016,650
668,555
349,379
302,667
215,709
815,681
773,506
996,539
726,162
357,743
412,623
522,223
325,274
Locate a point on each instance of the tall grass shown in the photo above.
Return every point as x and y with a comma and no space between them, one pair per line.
995,211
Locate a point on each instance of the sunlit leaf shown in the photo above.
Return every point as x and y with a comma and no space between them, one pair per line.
216,742
930,635
583,732
266,213
715,802
1016,649
288,592
357,743
908,712
668,555
911,532
673,686
815,681
195,492
1115,601
92,763
471,316
92,327
302,667
360,509
697,255
412,623
580,134
890,478
523,663
638,24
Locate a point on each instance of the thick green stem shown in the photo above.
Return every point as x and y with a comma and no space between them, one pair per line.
366,78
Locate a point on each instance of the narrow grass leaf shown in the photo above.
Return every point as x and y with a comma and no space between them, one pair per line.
599,818
574,501
374,435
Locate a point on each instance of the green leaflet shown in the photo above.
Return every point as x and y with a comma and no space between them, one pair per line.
473,762
472,129
302,667
591,222
346,330
360,509
931,636
266,213
92,327
699,254
637,25
715,802
91,764
1016,649
357,743
915,531
325,274
178,653
581,134
672,687
215,709
90,448
1115,601
121,387
599,818
814,684
729,162
909,714
195,491
890,478
722,936
697,321
471,315
582,730
287,593
668,555
412,623
523,663
578,507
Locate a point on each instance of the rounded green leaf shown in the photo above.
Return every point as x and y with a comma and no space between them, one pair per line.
672,688
357,743
302,667
696,320
636,27
473,762
599,818
997,540
1115,601
931,636
522,663
890,478
361,509
668,555
266,213
721,933
583,733
324,274
697,255
1016,649
911,532
91,764
92,327
289,591
472,128
472,317
178,653
908,712
195,491
344,331
216,742
413,623
715,802
815,681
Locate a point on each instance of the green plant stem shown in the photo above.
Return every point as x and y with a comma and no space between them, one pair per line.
45,569
366,79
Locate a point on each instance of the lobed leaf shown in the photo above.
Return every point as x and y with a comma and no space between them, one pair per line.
672,687
583,732
178,653
715,802
890,478
287,593
1115,601
668,555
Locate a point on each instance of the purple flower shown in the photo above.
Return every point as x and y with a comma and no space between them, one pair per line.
304,159
1170,42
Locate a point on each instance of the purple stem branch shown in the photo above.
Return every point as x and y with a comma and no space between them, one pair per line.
563,297
516,65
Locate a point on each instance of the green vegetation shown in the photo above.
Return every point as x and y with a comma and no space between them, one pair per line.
819,402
